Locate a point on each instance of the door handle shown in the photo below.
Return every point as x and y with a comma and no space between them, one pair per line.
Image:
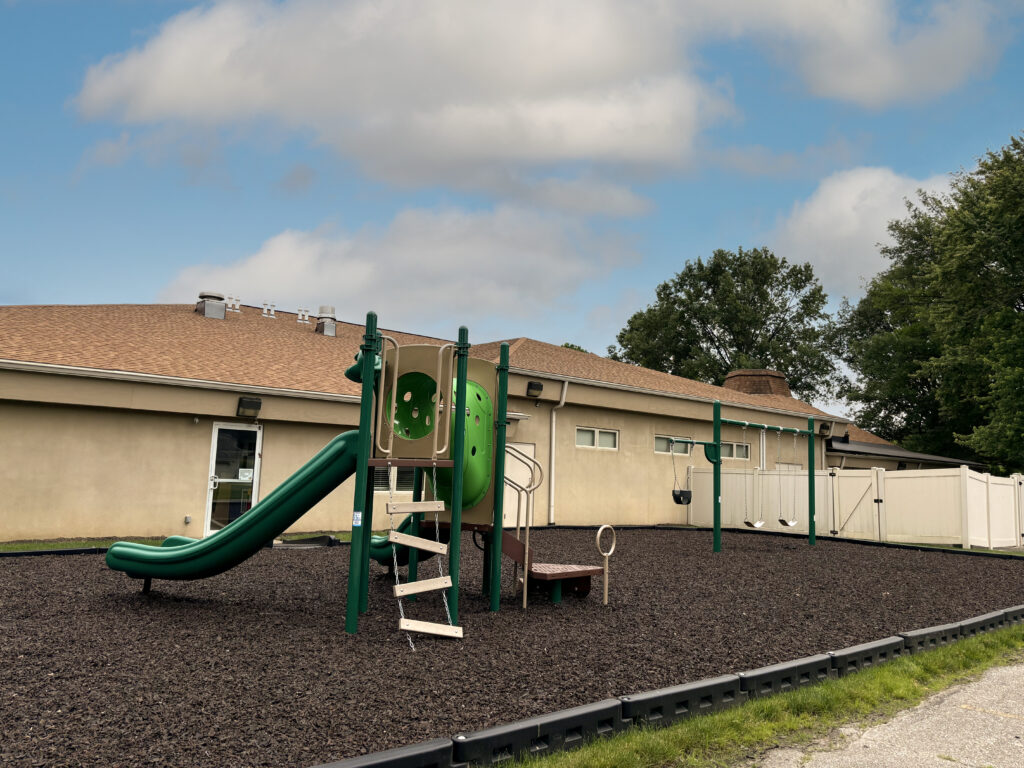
214,482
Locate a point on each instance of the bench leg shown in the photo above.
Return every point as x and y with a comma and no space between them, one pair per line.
556,591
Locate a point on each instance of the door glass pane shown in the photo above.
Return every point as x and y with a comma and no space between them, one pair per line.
230,502
236,450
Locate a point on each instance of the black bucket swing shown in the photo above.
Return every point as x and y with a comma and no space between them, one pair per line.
785,521
759,523
679,495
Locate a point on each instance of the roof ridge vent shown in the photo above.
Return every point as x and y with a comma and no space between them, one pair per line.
211,304
326,323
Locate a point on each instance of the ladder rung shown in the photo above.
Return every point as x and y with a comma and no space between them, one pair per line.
417,543
429,628
414,507
426,585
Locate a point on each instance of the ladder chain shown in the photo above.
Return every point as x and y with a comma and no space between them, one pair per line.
437,538
394,560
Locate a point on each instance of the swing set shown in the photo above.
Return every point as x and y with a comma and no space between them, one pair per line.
713,453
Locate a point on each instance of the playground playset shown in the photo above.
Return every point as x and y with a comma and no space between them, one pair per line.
454,438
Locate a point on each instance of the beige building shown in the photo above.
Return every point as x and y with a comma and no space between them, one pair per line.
151,420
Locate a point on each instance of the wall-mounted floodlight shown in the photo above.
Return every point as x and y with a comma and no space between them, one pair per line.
534,388
248,407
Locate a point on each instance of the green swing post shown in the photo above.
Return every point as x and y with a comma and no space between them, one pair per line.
494,577
717,489
458,455
358,551
811,538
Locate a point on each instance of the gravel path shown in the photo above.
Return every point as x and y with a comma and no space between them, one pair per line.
253,667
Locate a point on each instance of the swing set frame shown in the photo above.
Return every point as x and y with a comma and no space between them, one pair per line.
713,453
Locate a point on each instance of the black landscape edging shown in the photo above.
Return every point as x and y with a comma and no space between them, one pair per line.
563,730
69,551
787,676
1014,615
679,702
858,657
987,622
930,638
436,753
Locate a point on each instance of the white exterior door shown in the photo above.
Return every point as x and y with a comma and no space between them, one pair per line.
234,473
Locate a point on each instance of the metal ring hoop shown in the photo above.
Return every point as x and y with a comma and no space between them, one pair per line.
597,540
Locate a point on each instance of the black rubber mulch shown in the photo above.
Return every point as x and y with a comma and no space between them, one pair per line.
254,667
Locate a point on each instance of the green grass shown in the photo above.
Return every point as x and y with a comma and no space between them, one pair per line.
798,717
29,546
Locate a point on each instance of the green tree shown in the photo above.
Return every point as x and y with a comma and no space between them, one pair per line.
577,347
748,309
937,342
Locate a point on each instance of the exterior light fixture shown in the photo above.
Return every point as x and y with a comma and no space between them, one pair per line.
534,388
248,407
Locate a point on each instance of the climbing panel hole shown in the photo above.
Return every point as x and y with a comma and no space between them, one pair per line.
407,396
478,420
478,397
427,418
415,413
472,451
407,432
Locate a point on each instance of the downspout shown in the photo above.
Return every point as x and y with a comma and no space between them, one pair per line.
551,457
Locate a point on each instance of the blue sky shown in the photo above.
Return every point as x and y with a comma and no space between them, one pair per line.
529,168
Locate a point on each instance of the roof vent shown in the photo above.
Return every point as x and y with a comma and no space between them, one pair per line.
757,381
326,323
302,316
211,304
234,304
268,310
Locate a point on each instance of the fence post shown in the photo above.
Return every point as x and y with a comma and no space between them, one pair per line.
1018,507
965,527
988,509
883,534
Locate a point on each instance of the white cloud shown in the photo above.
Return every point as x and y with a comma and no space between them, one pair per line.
421,91
424,271
866,52
838,228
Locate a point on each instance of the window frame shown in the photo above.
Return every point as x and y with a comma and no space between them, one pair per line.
687,446
596,431
734,457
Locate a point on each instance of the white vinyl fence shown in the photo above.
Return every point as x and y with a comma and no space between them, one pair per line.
927,506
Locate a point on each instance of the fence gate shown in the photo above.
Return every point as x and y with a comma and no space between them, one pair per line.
854,509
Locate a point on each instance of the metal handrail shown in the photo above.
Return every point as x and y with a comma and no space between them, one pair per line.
394,397
536,478
535,467
446,381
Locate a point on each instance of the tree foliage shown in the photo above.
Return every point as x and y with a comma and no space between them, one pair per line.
937,342
570,345
748,309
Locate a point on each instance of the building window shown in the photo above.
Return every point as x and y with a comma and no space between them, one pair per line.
663,444
402,477
588,437
736,451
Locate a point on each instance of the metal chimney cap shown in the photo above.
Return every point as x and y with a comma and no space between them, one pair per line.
211,295
326,311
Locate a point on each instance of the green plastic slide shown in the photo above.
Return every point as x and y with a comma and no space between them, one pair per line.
182,558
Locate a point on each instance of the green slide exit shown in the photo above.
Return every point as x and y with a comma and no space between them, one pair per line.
182,558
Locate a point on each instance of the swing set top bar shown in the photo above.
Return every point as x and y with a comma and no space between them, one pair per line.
769,427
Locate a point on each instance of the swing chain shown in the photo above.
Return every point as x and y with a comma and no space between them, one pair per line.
672,453
394,560
437,539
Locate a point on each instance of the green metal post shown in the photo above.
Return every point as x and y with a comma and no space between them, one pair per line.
717,489
458,454
556,591
499,479
364,582
357,552
414,528
810,482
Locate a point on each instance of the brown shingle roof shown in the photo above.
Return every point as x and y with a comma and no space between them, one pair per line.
173,340
859,435
248,349
533,355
